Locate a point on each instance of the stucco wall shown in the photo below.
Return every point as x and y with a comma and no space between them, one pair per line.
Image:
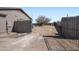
13,15
2,25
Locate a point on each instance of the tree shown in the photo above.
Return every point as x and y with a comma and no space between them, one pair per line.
42,20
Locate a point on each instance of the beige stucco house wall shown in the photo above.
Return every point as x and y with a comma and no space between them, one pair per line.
2,25
12,14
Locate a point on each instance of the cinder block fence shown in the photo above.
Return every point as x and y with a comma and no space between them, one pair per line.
70,27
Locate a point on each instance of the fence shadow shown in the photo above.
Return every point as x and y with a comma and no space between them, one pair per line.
57,36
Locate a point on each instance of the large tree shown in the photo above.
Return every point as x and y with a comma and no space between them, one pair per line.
42,20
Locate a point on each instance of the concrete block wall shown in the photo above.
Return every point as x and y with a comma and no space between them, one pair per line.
22,26
70,27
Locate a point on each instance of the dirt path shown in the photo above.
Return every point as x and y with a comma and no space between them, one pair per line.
30,42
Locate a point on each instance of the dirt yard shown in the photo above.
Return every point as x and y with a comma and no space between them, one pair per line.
55,42
42,38
45,30
22,42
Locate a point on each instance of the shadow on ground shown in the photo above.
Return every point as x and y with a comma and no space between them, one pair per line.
57,36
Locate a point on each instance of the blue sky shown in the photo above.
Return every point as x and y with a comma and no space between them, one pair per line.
55,13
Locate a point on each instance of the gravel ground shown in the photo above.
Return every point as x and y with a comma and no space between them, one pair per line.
44,30
42,38
28,42
55,42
